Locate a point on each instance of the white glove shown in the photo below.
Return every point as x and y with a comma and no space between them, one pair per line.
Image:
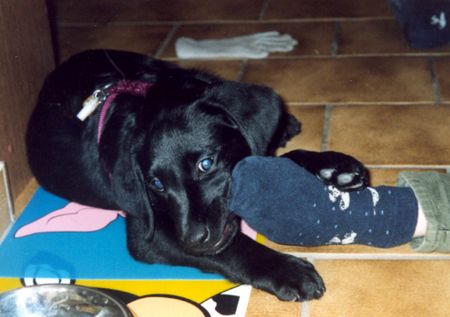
257,45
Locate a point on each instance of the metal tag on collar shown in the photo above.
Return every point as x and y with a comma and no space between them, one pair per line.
91,103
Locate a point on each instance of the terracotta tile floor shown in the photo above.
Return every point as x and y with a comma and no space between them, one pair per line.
357,87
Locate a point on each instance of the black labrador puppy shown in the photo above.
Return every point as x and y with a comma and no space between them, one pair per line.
160,143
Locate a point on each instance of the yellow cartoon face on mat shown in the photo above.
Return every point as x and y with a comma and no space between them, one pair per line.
231,303
165,306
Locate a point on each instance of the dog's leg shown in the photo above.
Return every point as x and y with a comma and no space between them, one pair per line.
333,168
244,261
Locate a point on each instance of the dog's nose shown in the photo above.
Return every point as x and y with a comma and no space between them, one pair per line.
197,236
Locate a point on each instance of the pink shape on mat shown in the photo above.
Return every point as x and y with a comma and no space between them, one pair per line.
245,229
75,217
71,218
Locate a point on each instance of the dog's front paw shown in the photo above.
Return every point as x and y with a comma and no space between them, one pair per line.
343,171
333,168
294,280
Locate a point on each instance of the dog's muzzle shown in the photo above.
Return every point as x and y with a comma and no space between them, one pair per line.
204,242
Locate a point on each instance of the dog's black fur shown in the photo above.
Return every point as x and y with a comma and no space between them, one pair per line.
148,162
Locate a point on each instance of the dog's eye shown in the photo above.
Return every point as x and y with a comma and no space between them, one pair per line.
157,184
205,165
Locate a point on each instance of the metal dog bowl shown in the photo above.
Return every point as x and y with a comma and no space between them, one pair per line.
58,301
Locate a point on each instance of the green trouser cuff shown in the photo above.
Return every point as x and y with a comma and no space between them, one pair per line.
432,191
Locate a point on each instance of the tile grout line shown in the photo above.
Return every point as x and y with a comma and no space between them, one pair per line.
435,82
360,103
369,256
326,128
226,21
166,40
335,41
262,13
242,69
406,166
353,56
305,307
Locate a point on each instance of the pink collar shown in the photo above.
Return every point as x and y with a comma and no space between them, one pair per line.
135,88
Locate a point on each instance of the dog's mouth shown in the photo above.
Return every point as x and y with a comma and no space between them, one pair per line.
230,229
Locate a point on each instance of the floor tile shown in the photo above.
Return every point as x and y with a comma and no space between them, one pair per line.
377,37
100,11
140,39
347,251
96,11
442,66
387,135
384,288
226,69
388,177
287,9
24,197
189,10
264,304
313,38
346,80
371,37
312,120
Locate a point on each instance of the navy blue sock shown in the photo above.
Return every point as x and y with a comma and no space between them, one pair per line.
426,23
289,205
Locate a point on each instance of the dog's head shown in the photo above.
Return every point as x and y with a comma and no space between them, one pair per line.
177,152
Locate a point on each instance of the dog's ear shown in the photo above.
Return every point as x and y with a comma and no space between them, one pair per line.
258,112
126,177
